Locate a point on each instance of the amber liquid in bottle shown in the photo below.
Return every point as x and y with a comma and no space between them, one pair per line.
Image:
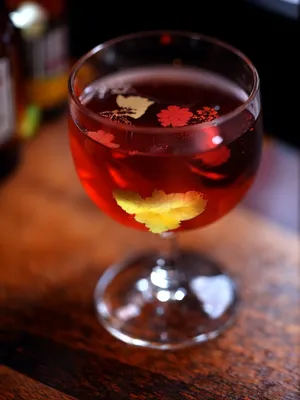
45,51
9,77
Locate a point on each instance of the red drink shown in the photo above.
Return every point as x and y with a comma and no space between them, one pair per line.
167,180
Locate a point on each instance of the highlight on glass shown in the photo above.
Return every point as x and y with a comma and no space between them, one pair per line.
166,136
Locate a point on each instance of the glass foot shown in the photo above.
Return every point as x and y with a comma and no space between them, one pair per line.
146,302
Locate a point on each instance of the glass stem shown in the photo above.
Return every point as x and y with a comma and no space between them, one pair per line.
165,274
171,248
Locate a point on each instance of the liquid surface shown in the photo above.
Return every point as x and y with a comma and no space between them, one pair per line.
165,182
189,96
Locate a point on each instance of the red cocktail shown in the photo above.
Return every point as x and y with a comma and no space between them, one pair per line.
166,141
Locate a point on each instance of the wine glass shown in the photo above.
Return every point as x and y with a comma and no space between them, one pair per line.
166,136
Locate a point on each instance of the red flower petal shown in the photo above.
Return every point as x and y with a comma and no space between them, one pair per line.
174,116
207,114
106,139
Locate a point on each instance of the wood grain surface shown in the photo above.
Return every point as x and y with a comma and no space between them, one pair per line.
54,244
14,385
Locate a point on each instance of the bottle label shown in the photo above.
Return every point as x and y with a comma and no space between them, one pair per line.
47,67
46,54
7,111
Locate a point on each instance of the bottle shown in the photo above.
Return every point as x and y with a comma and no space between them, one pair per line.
9,80
45,49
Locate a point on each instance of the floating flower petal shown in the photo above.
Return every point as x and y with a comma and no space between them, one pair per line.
174,116
106,139
136,105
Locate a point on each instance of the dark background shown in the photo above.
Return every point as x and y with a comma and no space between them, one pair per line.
269,37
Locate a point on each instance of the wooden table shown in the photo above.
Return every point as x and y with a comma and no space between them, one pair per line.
54,244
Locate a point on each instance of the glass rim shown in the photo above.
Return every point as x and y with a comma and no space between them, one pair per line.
152,130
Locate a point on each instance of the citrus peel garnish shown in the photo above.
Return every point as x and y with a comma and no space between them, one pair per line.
161,212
